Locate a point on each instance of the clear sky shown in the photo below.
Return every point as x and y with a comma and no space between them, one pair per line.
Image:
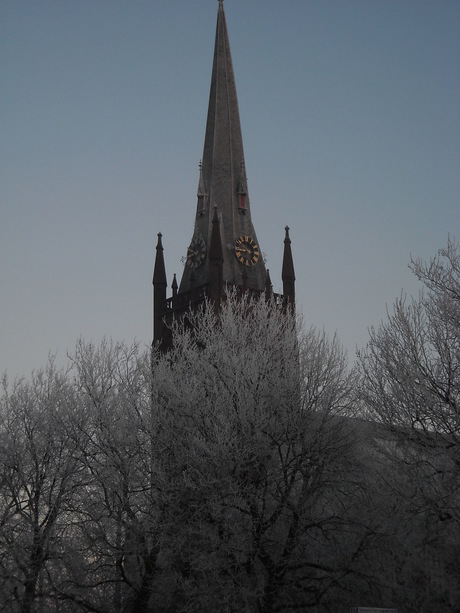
350,112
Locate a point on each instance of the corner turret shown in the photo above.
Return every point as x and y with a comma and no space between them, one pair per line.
159,290
287,272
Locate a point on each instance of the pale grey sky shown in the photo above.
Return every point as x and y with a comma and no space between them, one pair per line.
351,125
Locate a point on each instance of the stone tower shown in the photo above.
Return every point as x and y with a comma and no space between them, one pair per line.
224,250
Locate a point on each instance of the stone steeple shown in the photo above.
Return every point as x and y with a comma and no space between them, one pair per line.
224,250
222,181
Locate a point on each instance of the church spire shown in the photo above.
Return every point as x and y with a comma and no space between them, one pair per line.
223,145
224,250
223,181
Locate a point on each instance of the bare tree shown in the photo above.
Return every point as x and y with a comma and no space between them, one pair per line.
40,478
77,520
257,475
411,385
227,474
117,514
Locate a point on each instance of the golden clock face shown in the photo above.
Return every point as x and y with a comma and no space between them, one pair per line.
196,253
247,251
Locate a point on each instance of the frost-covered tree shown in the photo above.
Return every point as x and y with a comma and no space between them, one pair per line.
411,385
226,474
116,531
75,494
255,467
40,477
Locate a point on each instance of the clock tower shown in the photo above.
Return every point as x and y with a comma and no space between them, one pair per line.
224,250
